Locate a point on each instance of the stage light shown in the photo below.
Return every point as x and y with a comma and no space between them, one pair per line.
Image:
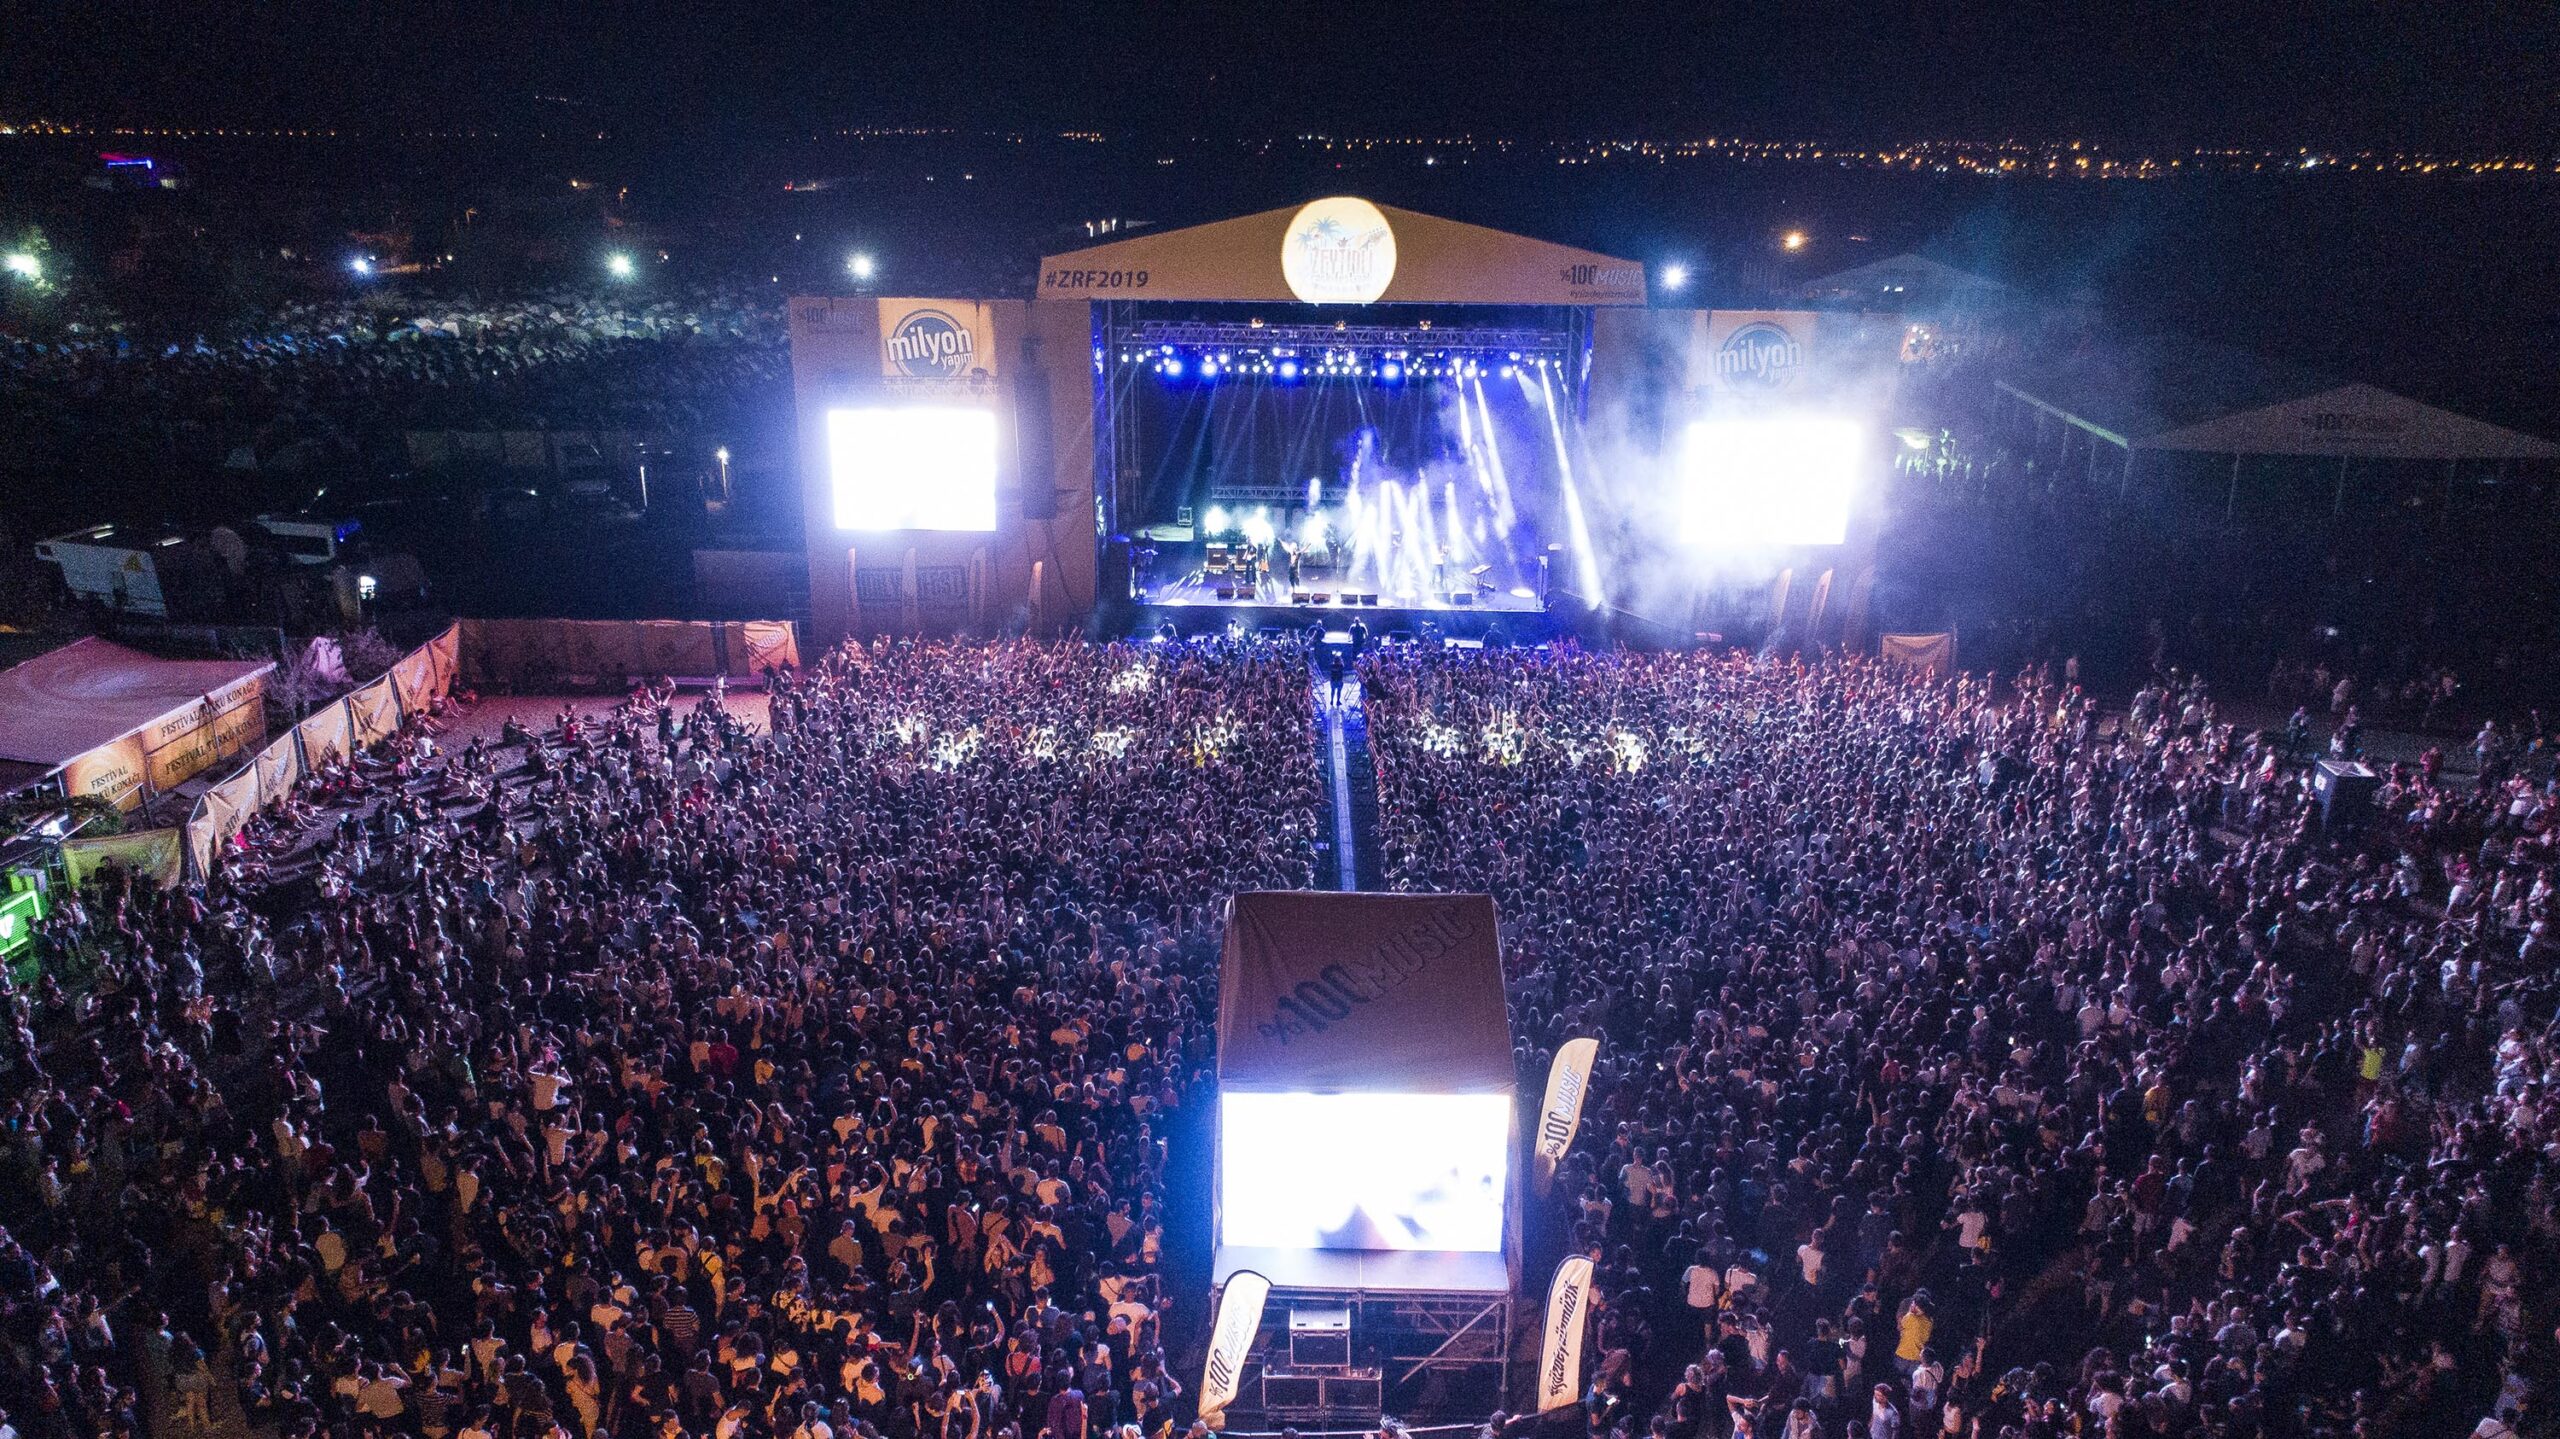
1172,367
1783,479
1315,491
1258,527
1288,369
1216,519
1208,369
913,467
1391,372
1675,278
861,265
1311,531
361,265
619,265
24,266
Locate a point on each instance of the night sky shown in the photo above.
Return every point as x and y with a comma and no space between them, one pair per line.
2398,72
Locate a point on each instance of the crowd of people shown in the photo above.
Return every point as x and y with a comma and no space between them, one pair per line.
1974,1062
662,1075
312,380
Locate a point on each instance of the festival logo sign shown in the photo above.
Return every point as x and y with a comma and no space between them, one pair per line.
1338,251
928,344
1761,355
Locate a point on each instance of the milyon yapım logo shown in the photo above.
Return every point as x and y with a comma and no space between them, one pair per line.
930,345
1760,355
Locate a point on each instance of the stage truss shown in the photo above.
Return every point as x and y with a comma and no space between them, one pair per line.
1435,1353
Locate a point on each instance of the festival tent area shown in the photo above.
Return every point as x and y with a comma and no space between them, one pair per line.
91,692
1906,282
2181,394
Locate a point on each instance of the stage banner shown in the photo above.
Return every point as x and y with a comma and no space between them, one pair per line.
1931,654
279,770
189,742
1560,1353
445,653
375,710
1753,356
158,855
937,341
770,643
1230,1341
1567,1080
327,738
1399,992
219,815
111,772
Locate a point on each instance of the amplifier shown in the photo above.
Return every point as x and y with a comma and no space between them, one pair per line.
1319,1338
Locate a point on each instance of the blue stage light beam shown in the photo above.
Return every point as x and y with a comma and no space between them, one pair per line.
1577,528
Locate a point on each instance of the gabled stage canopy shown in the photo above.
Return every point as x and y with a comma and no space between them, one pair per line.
1342,251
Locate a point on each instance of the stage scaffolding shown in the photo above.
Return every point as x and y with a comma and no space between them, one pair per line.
1435,1353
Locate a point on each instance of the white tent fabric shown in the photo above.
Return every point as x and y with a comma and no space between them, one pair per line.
93,692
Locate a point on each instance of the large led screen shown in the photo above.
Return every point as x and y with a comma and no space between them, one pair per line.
1363,1171
913,467
1750,481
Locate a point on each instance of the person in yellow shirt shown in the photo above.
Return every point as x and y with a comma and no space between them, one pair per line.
1912,1341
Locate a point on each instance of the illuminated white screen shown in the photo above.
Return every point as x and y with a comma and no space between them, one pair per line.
1770,480
1363,1171
913,467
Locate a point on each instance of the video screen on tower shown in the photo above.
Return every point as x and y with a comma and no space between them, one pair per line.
1363,1171
912,467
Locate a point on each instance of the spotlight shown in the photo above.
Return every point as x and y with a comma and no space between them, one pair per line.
361,264
1675,277
1288,369
1216,519
1796,240
619,265
1258,527
1311,531
860,264
1391,372
1208,369
1173,367
24,266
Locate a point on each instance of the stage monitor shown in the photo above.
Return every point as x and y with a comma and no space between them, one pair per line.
912,467
1767,481
1364,1171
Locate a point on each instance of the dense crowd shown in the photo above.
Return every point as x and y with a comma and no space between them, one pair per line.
1976,1064
659,1076
335,378
1973,1062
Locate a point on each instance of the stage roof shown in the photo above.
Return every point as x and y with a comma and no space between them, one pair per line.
1353,992
1343,251
92,692
2189,395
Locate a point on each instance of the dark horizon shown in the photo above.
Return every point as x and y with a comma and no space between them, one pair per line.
2473,76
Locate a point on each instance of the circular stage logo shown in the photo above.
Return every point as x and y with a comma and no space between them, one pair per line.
1338,252
1759,356
930,345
